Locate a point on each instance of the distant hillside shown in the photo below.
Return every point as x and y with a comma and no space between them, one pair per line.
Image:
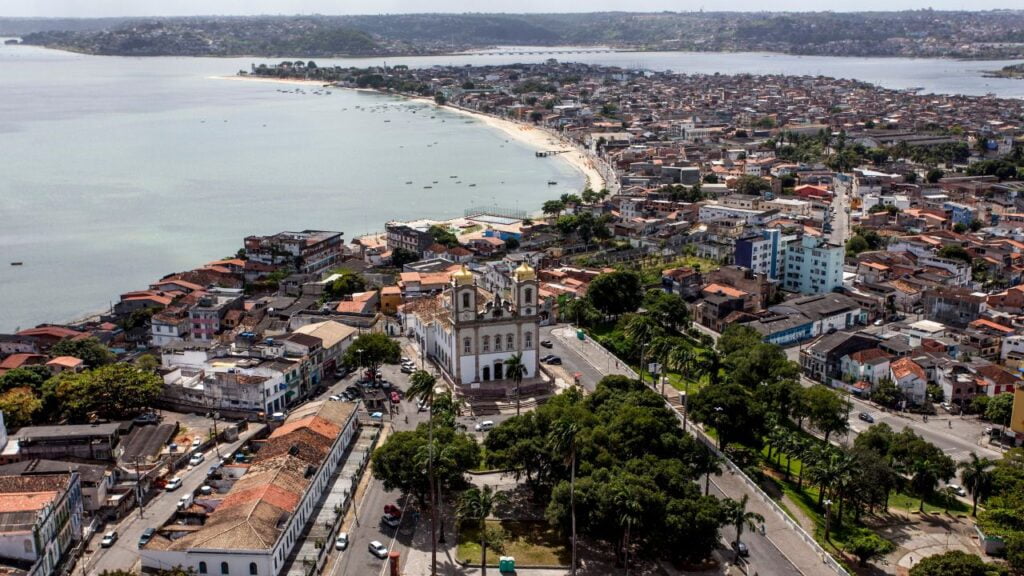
919,33
307,37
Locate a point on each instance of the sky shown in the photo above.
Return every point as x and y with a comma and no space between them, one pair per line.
98,8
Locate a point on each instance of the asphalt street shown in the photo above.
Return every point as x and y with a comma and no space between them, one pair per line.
124,554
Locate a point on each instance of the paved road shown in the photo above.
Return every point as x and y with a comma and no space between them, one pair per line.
125,554
841,214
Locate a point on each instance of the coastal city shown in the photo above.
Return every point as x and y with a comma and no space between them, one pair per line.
778,329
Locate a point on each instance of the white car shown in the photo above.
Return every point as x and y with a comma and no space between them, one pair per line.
108,539
958,489
196,459
341,542
379,550
484,426
173,484
196,442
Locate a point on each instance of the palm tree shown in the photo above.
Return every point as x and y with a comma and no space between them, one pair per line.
421,387
737,515
977,478
661,348
477,504
515,369
826,471
709,362
706,464
640,329
680,359
563,439
630,514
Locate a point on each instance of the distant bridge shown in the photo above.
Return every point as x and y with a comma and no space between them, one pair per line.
545,52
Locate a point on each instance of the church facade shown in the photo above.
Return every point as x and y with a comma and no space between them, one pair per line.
470,332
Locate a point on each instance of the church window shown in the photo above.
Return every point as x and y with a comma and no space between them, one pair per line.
510,342
486,344
467,345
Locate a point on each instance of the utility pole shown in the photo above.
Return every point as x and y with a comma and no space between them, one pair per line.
138,489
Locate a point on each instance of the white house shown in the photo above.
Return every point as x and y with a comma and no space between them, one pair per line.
260,521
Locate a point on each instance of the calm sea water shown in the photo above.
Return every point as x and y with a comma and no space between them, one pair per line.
115,171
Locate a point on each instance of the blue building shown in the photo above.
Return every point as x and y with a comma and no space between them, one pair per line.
960,213
761,252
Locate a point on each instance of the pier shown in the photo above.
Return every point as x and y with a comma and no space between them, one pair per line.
546,153
544,52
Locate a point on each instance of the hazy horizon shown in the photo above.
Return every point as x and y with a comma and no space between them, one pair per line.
160,8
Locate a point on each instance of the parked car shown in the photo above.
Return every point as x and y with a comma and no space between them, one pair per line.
341,542
379,550
147,535
408,369
393,510
377,415
147,418
546,343
390,521
335,398
554,360
197,442
484,426
406,360
741,548
108,539
196,459
866,417
173,484
958,489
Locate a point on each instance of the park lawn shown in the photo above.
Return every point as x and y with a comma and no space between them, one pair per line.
530,543
651,273
932,505
678,382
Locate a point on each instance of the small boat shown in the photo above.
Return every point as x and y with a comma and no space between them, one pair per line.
16,263
427,187
409,182
434,182
472,185
386,121
552,183
453,176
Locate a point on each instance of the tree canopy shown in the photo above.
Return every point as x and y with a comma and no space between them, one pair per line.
114,392
89,350
371,350
631,454
615,293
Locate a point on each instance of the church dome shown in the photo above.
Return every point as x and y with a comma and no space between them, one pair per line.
525,272
463,277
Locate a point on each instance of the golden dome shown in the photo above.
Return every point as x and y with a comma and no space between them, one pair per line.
525,272
463,276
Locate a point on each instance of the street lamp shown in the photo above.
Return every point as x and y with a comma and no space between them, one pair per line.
718,429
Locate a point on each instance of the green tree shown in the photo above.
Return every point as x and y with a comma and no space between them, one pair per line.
443,236
19,405
886,393
668,309
976,475
934,175
737,338
563,439
349,283
371,350
731,411
954,563
739,517
147,363
113,392
753,185
89,350
31,377
515,370
615,293
867,547
553,207
999,409
401,256
955,252
478,504
928,468
856,245
827,411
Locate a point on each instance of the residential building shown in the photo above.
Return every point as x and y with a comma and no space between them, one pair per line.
40,522
207,316
813,266
761,252
954,306
414,237
258,524
910,378
307,252
81,441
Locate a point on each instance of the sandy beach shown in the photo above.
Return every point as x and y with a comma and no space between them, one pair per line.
534,137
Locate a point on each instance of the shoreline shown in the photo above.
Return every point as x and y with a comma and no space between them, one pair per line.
533,136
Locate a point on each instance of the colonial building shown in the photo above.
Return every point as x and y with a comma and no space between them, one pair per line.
471,333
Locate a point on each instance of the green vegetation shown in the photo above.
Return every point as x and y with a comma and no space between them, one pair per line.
627,460
371,350
955,563
349,283
530,543
89,350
